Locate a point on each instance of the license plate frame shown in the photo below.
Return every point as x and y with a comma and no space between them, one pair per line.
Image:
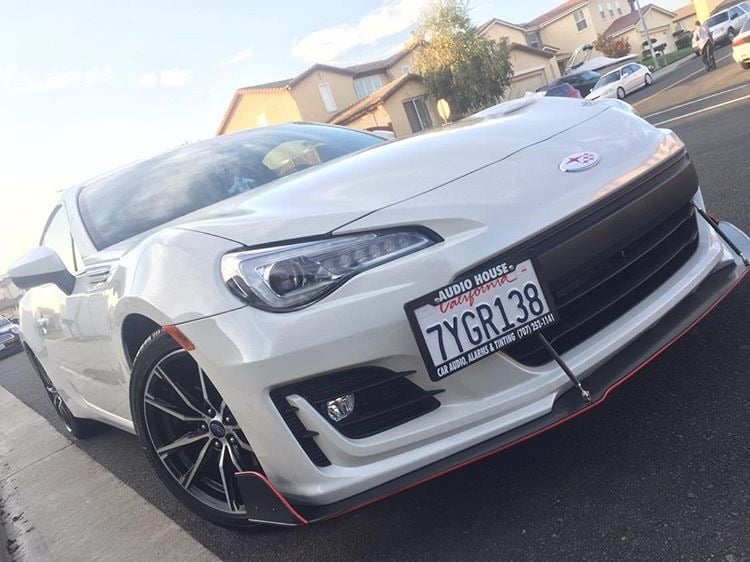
504,274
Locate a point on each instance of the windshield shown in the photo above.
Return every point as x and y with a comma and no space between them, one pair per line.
718,18
156,191
607,79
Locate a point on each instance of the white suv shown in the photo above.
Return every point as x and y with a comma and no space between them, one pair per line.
725,25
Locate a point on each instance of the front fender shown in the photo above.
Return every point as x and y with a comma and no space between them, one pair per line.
174,277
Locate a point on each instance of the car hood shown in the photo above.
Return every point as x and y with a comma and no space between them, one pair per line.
320,200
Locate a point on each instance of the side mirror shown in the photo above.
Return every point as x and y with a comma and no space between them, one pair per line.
39,267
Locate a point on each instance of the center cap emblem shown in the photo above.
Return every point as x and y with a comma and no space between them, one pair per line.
579,161
217,430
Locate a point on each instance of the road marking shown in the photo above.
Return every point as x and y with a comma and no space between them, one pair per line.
680,81
696,101
718,105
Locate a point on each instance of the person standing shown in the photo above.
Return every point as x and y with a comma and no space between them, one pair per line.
702,40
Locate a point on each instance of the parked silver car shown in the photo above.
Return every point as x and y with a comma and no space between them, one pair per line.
726,24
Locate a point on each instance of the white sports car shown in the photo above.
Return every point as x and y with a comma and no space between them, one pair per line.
290,345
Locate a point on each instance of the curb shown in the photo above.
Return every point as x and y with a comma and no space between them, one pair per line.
59,504
4,554
672,67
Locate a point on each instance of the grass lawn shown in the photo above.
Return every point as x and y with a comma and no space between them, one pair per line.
669,58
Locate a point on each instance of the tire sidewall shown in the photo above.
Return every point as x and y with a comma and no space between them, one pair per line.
620,89
156,347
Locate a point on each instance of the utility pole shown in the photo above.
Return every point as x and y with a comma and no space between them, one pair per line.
636,5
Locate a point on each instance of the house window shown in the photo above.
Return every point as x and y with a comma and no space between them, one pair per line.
327,96
619,9
532,39
610,10
418,115
405,69
601,11
366,85
580,19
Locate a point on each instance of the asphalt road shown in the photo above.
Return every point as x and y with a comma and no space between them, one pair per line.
660,471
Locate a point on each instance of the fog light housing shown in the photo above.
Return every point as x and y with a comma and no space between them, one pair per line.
340,408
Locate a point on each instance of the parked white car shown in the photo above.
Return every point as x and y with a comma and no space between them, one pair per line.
741,46
620,82
291,345
726,24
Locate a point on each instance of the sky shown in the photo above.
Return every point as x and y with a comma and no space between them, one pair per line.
86,86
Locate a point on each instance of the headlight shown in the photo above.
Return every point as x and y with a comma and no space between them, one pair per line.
291,277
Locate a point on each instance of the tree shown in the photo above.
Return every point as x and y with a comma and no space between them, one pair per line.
612,47
458,64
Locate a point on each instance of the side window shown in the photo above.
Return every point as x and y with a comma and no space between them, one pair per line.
57,237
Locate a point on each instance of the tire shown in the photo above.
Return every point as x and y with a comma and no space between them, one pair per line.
648,80
191,463
745,65
78,428
620,93
731,34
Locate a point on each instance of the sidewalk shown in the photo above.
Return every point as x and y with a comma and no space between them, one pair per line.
56,503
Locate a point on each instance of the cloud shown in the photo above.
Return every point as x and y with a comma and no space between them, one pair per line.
9,73
169,78
241,56
174,77
148,80
60,79
392,17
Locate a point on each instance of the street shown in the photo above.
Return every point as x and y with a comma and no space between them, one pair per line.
661,470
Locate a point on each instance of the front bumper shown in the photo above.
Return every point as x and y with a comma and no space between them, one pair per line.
266,504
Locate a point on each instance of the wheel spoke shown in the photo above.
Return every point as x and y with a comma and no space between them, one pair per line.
169,409
187,478
163,375
227,494
186,439
242,445
204,389
234,459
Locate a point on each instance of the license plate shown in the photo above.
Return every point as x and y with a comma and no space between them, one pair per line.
466,321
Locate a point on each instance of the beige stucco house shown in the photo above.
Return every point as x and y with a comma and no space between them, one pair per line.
325,93
660,28
9,297
574,23
533,67
684,18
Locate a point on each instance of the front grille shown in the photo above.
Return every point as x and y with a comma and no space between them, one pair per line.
383,399
601,290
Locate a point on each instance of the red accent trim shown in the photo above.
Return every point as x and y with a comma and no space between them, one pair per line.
531,435
273,488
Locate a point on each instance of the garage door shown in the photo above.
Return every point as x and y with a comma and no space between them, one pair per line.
527,83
